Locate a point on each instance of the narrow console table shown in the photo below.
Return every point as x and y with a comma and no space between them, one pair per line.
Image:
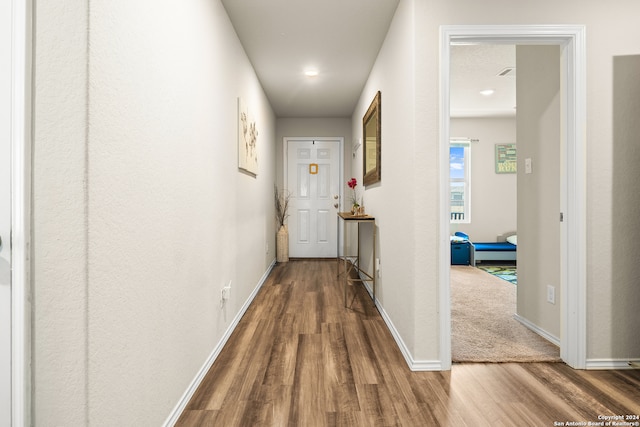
352,262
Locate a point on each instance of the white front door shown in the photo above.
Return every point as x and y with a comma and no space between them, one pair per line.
312,179
5,213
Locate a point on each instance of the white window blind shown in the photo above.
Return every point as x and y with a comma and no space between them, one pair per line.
460,179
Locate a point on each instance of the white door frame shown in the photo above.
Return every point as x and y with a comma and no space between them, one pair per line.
20,240
285,163
571,39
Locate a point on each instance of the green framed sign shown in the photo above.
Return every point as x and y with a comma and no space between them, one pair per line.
506,158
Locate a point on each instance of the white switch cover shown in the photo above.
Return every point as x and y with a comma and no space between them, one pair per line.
527,165
551,294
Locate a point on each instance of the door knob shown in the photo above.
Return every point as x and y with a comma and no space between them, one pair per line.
335,205
335,196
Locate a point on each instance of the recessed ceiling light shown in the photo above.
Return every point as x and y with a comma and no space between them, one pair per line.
487,92
311,73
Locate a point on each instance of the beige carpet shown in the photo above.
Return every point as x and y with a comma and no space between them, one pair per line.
483,328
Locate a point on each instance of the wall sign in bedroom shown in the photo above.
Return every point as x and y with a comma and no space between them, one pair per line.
506,158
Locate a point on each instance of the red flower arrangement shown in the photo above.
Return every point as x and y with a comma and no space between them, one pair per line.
352,183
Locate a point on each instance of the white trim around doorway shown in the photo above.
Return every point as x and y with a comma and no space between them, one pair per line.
571,39
21,50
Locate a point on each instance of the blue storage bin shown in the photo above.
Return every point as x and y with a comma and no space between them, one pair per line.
460,253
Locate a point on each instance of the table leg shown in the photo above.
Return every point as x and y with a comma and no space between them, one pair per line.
344,261
375,272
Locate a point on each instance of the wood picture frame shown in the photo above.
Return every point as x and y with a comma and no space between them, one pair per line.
372,142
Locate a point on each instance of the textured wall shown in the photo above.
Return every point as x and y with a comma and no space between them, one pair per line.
59,215
391,200
539,134
171,219
625,277
141,215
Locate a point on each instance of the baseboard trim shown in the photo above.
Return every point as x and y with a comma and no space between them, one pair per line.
609,364
592,364
544,334
195,383
414,365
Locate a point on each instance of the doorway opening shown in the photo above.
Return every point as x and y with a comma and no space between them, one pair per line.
512,206
570,39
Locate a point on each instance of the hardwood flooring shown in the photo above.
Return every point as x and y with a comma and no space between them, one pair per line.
298,357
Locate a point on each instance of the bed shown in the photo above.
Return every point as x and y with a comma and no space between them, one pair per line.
503,249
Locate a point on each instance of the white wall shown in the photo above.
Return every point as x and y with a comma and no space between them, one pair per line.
141,215
493,195
539,139
625,206
60,286
406,202
392,200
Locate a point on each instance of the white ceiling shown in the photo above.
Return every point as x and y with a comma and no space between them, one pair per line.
475,68
341,40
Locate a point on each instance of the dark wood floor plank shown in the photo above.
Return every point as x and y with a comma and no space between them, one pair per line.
618,392
299,357
307,406
197,418
282,358
559,396
363,359
275,404
213,389
376,405
393,369
339,386
432,390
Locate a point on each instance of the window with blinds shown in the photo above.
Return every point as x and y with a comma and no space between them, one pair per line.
460,180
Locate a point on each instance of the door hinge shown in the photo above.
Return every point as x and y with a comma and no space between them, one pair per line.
561,217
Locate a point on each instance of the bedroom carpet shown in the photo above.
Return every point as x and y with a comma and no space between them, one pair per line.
483,328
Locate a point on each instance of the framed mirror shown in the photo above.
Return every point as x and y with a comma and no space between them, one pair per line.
371,141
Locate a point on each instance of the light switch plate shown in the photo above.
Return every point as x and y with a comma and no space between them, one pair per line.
527,165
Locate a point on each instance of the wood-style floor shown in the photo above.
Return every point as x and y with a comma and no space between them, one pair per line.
298,357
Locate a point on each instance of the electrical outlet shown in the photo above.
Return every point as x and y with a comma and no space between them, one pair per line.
551,294
226,292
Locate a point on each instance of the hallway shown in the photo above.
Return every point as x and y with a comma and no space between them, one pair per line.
298,357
